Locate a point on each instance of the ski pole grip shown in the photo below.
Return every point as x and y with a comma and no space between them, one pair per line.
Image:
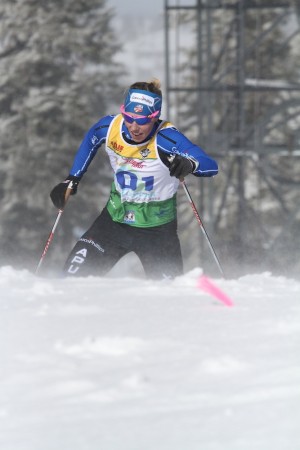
68,191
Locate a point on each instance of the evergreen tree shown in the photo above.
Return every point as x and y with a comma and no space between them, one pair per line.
58,75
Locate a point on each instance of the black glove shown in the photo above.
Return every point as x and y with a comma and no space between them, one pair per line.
58,193
180,167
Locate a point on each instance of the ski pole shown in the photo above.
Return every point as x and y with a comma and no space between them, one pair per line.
49,240
202,226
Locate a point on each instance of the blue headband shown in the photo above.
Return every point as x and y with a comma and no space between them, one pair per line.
142,102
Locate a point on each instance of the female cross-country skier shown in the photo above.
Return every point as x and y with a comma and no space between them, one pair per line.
148,157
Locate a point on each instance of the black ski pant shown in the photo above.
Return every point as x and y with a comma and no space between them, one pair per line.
106,242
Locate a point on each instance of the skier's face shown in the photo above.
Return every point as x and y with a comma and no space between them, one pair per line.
137,132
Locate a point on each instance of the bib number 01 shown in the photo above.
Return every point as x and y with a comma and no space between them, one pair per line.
129,180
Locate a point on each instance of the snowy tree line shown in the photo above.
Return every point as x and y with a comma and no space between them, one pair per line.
59,74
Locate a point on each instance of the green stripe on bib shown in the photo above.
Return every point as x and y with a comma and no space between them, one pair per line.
149,214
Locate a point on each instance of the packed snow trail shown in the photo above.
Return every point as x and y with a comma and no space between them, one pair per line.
124,363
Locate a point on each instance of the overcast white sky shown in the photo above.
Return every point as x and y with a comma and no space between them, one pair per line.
137,7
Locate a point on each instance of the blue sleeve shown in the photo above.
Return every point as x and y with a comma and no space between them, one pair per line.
92,141
173,142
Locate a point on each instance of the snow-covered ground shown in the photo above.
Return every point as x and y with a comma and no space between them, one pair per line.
130,364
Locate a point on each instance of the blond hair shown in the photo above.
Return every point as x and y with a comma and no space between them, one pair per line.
153,85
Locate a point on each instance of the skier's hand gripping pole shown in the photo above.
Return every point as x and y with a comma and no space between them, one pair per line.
181,175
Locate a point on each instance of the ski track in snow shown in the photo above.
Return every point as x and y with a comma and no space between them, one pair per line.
132,364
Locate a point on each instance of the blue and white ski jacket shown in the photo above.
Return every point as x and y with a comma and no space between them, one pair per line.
143,193
169,141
